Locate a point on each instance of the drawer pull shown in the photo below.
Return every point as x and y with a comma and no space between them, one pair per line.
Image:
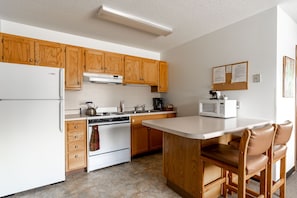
75,126
75,137
76,146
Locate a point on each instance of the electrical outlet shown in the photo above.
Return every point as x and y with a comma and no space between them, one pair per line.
257,78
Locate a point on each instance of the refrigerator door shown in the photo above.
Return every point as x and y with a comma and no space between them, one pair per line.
32,144
31,82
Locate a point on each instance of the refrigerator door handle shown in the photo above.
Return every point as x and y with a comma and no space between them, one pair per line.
61,87
61,116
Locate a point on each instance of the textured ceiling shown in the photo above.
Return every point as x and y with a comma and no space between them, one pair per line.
189,19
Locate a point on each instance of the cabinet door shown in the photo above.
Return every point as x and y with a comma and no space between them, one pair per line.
94,61
73,67
139,140
155,139
49,54
163,77
150,71
133,70
16,49
114,63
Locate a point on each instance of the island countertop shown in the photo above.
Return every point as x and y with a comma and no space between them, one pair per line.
200,127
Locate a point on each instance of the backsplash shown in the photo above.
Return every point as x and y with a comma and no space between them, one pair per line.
107,95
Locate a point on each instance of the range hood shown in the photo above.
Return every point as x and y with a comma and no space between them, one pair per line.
103,78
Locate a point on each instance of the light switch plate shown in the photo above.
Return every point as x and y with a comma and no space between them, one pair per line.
257,78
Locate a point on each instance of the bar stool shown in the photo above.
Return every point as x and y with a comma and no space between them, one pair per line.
282,136
249,159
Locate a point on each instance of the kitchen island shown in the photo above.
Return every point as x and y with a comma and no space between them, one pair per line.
183,139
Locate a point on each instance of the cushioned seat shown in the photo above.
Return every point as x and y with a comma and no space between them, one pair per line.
279,150
250,158
229,155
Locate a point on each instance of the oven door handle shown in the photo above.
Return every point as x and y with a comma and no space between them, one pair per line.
107,123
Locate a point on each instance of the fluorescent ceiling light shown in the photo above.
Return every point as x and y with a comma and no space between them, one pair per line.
133,21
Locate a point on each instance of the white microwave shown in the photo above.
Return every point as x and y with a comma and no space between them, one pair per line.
218,108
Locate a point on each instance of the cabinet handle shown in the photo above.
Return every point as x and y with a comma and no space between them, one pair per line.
75,126
75,137
76,146
75,156
30,60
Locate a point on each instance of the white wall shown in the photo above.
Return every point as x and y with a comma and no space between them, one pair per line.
101,94
252,40
285,107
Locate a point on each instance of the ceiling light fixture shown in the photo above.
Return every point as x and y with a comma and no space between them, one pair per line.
133,21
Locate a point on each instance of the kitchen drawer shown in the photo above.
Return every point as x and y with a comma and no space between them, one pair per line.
76,160
76,136
76,126
138,119
76,146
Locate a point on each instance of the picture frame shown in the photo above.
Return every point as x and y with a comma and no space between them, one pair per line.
288,77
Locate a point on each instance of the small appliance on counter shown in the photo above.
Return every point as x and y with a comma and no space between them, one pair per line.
168,107
215,95
218,108
158,103
91,110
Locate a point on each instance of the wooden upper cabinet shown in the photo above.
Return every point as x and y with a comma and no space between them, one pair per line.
1,47
133,70
163,77
141,70
17,49
49,54
150,71
114,63
94,61
73,68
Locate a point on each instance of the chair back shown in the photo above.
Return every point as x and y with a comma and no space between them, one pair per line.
283,133
260,140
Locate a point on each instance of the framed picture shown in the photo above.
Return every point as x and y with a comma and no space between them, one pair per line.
288,77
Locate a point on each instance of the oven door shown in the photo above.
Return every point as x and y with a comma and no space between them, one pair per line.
112,137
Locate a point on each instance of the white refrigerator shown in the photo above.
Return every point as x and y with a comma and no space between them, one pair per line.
32,146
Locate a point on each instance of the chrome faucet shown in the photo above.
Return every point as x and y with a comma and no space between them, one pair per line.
137,107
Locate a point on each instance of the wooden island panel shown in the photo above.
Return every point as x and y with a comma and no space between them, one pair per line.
180,165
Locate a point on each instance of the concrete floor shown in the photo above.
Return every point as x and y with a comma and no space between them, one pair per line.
142,178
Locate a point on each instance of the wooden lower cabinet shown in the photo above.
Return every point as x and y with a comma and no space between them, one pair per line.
144,139
155,139
76,145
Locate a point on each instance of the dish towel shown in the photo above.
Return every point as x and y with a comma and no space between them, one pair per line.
95,139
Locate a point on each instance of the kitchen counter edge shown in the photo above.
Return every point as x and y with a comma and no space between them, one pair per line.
70,117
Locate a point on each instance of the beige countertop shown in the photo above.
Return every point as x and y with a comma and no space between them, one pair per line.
199,127
70,117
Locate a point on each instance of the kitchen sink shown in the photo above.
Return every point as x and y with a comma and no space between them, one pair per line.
145,111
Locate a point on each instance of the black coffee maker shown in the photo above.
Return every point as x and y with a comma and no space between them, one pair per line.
158,103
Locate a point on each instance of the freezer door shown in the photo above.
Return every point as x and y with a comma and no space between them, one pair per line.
32,146
30,82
